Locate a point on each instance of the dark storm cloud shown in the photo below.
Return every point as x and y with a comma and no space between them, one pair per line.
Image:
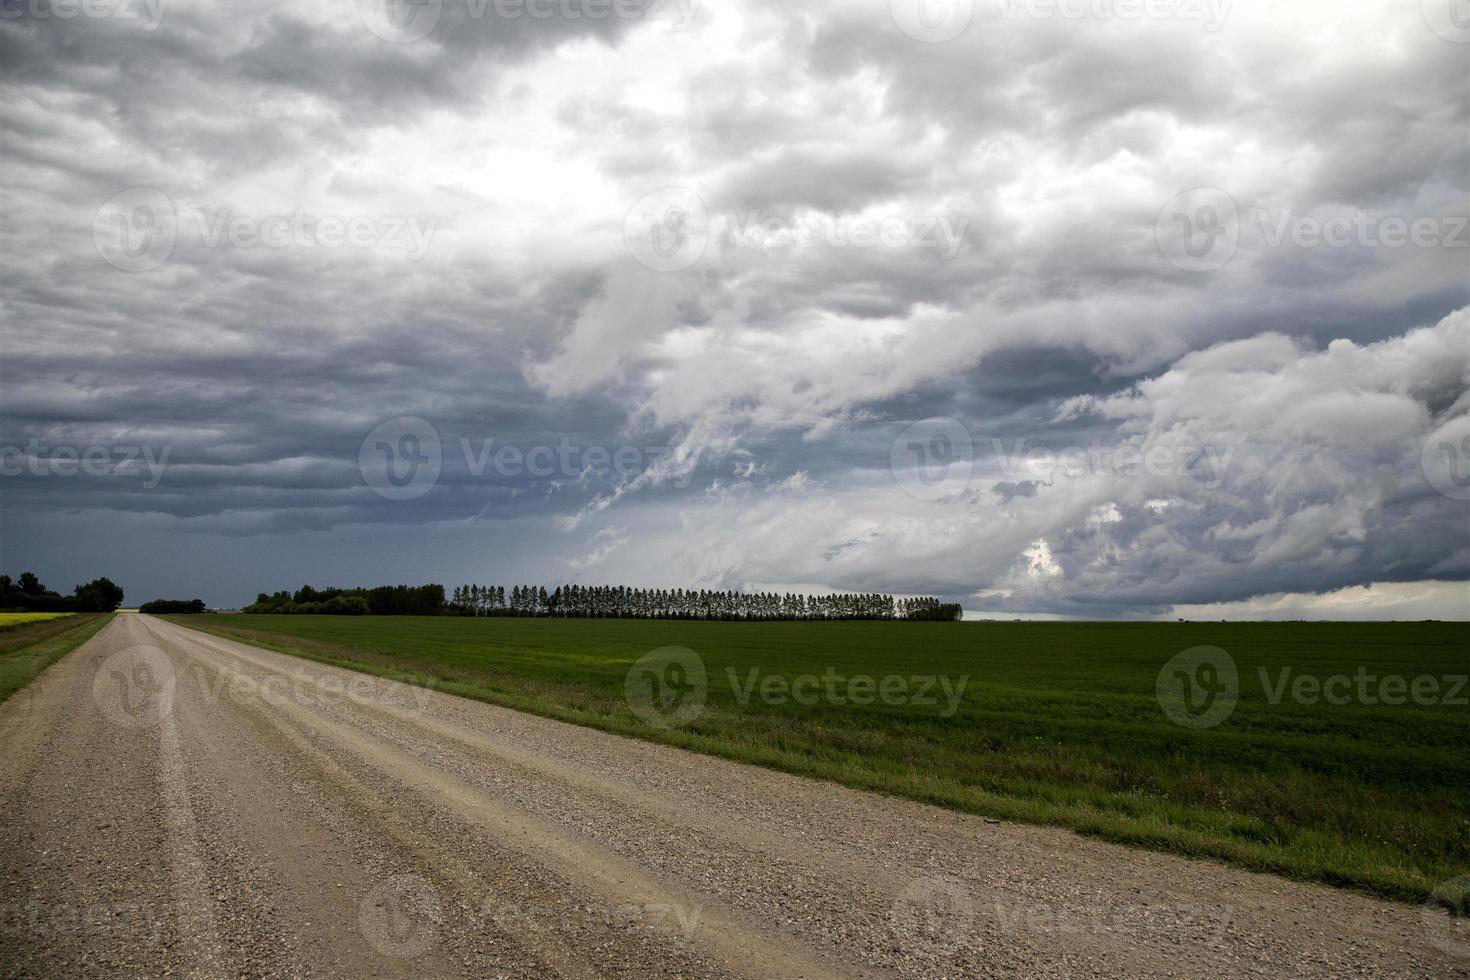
781,377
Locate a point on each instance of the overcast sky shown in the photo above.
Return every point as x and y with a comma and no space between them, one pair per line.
1078,308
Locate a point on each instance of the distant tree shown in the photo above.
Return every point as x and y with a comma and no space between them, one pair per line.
382,600
603,602
160,607
99,595
346,605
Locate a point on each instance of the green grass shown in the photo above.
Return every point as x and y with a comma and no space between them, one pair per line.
1060,723
28,648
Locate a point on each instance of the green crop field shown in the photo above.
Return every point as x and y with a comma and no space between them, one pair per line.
30,646
1056,723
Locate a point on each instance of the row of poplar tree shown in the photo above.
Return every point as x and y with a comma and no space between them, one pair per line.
621,602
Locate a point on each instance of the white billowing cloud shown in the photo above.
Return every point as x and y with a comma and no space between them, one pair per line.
600,546
1392,600
1253,466
1055,148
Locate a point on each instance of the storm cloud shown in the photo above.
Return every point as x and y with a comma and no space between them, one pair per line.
1067,308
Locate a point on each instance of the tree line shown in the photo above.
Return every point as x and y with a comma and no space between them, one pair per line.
622,602
600,602
159,607
382,600
27,594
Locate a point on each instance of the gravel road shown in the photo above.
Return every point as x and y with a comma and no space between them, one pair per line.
172,803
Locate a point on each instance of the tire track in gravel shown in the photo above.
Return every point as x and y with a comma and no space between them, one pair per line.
85,887
340,852
198,931
1058,897
609,877
345,782
861,881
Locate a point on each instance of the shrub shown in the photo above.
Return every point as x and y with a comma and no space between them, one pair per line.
160,607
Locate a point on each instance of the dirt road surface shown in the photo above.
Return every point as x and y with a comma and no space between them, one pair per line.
172,803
